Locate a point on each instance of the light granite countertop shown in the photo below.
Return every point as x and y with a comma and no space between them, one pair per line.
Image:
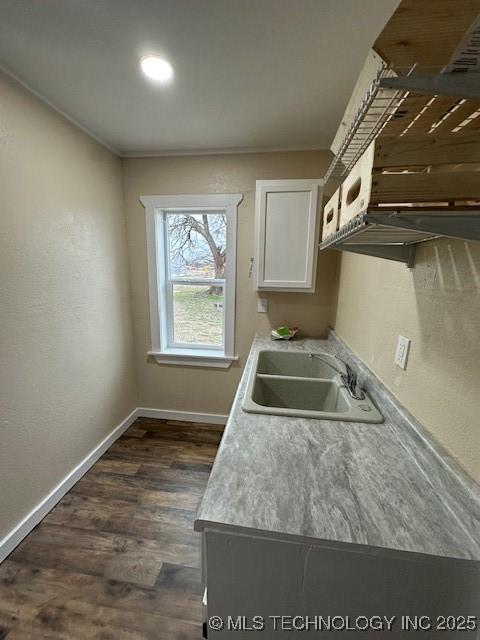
382,486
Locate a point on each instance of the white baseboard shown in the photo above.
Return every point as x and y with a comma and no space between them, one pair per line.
183,416
23,528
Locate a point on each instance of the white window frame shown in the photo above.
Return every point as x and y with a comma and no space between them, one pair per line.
162,349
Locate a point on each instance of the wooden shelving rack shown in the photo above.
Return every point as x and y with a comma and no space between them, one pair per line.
408,103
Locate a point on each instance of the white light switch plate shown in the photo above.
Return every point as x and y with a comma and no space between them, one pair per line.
262,305
401,354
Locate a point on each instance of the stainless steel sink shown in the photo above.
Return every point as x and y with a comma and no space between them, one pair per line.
304,385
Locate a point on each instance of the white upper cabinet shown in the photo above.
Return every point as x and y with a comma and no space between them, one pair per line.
286,233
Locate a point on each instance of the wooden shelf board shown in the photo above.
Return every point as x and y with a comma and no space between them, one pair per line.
425,32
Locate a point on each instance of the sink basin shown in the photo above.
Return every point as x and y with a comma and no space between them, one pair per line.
297,384
297,364
309,395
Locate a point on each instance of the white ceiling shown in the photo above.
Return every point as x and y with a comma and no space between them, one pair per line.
250,74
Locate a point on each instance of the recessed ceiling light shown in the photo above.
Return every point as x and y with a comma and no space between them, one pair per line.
156,68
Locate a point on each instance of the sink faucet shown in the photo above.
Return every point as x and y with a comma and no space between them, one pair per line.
348,377
350,380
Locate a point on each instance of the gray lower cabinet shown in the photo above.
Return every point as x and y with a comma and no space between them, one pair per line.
284,586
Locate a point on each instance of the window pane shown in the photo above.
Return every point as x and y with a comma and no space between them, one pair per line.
198,314
197,244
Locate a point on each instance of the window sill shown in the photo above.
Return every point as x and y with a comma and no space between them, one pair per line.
193,358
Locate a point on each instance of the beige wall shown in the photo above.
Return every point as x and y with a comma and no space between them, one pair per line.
212,390
437,305
66,375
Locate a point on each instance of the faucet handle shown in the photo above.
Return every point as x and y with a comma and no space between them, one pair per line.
350,380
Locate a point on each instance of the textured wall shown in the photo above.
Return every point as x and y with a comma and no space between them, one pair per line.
66,375
437,305
212,390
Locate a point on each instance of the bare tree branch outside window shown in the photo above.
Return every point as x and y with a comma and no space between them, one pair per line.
198,245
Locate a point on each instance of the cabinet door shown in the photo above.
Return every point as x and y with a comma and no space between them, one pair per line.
286,234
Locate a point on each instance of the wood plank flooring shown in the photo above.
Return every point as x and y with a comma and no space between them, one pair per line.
117,558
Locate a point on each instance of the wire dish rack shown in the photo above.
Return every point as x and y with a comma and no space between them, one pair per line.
401,112
391,231
394,234
377,107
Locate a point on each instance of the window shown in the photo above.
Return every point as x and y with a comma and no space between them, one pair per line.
191,244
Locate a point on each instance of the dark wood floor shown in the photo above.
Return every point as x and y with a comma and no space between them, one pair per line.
117,559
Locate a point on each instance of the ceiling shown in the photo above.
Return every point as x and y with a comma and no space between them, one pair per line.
250,74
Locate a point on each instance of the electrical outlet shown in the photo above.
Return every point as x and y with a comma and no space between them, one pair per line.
262,305
401,354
